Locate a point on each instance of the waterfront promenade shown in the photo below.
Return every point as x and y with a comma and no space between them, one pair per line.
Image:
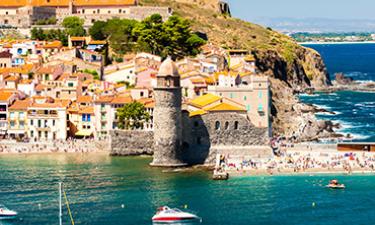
58,146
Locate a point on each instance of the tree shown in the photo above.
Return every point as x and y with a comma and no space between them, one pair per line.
97,30
132,116
119,33
74,26
171,38
38,34
150,35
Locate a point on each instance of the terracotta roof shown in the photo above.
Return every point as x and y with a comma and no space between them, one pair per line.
104,99
5,54
84,99
53,44
40,87
87,110
20,104
12,78
77,38
5,95
122,100
95,42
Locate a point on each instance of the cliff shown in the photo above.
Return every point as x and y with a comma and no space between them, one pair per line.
291,67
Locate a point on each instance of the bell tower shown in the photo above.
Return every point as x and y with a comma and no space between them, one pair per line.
167,117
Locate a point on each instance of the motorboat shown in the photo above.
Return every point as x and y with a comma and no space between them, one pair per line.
334,184
6,213
167,215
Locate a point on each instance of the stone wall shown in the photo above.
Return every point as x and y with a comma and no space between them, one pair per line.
132,142
225,130
201,138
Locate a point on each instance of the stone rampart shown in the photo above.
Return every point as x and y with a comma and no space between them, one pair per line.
131,143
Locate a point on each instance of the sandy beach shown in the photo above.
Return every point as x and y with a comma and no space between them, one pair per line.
301,160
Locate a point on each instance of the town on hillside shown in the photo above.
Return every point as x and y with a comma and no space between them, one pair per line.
114,67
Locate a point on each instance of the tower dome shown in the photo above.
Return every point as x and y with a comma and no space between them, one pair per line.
168,68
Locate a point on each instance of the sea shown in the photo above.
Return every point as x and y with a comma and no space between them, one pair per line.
126,191
355,111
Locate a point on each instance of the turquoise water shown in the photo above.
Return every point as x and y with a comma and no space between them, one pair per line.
98,185
354,110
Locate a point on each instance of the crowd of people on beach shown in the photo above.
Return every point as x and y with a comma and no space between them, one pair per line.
64,146
302,161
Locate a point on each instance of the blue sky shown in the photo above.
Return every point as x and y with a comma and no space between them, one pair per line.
330,9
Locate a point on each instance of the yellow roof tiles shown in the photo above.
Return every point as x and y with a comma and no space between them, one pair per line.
224,107
205,100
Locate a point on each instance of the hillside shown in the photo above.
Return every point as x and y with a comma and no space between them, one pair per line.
290,66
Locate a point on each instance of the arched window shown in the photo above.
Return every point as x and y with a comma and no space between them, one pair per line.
217,125
226,125
236,125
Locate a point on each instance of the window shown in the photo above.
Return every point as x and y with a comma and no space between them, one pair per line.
226,125
260,94
31,122
217,125
244,98
84,117
141,93
6,13
22,115
260,107
236,125
88,127
12,124
88,118
39,123
22,125
12,115
53,122
46,134
32,133
120,11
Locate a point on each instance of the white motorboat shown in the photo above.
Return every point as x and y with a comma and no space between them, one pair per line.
6,213
168,215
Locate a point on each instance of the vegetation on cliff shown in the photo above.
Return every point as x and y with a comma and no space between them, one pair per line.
172,37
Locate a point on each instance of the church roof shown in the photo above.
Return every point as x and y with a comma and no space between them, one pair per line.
205,100
168,68
224,107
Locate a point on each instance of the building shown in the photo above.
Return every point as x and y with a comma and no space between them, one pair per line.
249,90
6,100
25,13
47,119
18,126
167,117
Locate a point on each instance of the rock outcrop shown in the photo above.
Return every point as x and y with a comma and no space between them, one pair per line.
341,79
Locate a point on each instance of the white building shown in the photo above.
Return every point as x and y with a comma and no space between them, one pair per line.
47,119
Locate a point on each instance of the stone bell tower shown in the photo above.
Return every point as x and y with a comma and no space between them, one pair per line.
167,117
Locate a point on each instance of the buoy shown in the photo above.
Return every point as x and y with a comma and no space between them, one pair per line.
313,204
40,206
185,206
122,206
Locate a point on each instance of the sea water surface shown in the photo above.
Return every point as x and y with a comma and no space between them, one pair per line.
355,111
114,190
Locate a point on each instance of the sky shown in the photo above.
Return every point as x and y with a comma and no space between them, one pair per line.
332,9
308,15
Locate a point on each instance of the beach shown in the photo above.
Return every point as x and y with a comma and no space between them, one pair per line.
304,158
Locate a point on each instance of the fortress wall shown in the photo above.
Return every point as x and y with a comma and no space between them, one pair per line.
131,142
202,139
